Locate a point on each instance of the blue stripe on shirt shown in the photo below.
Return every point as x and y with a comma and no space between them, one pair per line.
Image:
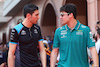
12,42
40,40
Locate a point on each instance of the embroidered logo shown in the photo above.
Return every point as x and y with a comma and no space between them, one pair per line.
63,36
35,31
79,33
36,27
91,36
13,30
23,32
79,30
63,32
83,26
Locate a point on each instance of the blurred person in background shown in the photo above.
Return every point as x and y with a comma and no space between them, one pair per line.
98,44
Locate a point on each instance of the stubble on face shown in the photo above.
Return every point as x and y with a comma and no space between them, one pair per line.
35,17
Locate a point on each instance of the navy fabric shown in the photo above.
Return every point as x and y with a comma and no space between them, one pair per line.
27,42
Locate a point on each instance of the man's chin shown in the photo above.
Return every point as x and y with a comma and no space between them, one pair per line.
35,22
62,23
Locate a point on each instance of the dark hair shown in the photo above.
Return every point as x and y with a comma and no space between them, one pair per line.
98,31
69,8
29,8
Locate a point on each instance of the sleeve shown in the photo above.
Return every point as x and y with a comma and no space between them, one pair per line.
14,36
40,35
56,40
90,40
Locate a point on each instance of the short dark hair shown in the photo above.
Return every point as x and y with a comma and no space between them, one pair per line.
29,8
98,31
69,8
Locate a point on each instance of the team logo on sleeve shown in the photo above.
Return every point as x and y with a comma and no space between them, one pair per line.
91,36
23,32
12,35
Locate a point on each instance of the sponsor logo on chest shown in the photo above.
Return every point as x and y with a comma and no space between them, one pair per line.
63,34
35,31
79,32
23,32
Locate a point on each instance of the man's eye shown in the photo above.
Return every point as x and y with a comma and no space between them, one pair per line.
37,14
62,15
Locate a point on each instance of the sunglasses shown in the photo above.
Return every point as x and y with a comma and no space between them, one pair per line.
62,14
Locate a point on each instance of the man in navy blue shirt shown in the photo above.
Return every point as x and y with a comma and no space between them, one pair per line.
24,39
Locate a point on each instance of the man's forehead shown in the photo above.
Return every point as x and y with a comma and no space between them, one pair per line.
36,11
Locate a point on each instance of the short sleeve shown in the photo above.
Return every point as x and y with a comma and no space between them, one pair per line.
56,39
90,40
40,35
14,36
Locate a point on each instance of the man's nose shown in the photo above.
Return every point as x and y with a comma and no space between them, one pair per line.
60,17
38,17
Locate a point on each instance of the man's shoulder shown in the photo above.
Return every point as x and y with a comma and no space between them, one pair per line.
18,27
58,30
84,27
61,28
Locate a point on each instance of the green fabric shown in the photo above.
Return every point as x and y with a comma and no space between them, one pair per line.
73,45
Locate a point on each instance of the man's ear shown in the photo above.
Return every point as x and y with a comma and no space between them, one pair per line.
28,15
71,15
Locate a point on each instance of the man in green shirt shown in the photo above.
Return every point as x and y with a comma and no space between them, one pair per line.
72,40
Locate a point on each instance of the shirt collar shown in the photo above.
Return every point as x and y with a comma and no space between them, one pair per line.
76,27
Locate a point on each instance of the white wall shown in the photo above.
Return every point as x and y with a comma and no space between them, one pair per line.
99,10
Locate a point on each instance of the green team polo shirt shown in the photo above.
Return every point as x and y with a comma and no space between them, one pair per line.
73,45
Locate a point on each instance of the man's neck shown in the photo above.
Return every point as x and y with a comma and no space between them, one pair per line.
27,23
72,24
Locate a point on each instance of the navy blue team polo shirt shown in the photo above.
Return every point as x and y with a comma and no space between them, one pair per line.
27,41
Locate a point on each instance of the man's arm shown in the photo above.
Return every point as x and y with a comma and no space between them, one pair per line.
11,57
94,56
42,53
53,57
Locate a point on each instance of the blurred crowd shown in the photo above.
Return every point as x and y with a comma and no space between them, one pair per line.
3,54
